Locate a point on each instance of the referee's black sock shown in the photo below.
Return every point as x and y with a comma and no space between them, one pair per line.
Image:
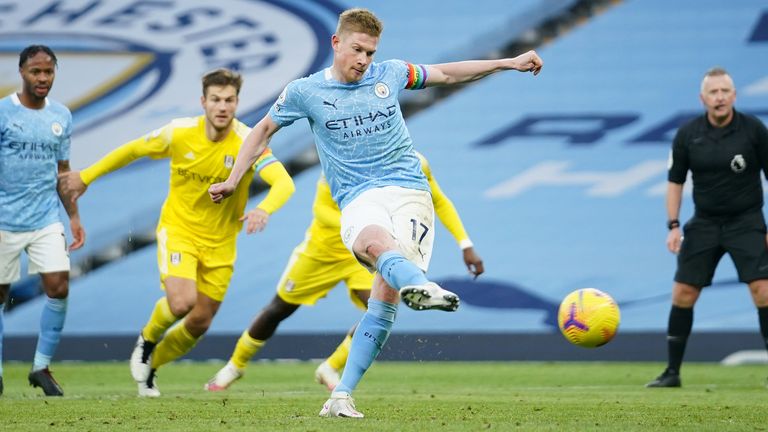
678,330
762,313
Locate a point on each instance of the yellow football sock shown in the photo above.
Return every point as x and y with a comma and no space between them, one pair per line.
338,359
246,348
177,342
160,321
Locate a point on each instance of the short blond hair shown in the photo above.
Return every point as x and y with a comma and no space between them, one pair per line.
359,20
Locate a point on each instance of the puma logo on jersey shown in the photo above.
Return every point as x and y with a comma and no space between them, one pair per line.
331,104
190,156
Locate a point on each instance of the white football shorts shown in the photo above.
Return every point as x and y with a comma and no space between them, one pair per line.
46,249
407,214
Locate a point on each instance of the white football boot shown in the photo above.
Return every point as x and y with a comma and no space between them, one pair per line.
340,405
429,296
224,378
327,376
149,388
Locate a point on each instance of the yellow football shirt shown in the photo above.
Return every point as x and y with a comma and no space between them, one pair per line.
444,208
195,163
326,226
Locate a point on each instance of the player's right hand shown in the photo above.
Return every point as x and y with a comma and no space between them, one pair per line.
78,233
674,240
473,262
71,185
219,191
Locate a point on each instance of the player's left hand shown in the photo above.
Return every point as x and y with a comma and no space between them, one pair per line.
473,261
256,220
78,234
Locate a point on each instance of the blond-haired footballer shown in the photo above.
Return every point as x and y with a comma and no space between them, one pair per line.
368,158
315,267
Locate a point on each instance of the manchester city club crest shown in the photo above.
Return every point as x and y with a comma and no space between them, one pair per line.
56,128
381,90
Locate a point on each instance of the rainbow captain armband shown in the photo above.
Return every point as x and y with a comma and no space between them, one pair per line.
265,159
417,77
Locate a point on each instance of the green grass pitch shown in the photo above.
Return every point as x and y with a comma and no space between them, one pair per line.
395,396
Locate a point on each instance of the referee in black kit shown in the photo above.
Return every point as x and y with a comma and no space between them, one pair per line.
725,151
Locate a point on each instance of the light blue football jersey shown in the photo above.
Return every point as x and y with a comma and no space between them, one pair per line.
359,130
31,144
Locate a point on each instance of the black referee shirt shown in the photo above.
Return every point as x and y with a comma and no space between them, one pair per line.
725,164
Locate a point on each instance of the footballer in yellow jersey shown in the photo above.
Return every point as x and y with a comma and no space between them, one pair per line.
196,238
316,266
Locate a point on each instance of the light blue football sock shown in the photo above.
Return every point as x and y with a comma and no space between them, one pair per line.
369,338
398,271
51,324
2,306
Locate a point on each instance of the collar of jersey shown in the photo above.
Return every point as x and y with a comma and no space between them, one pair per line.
329,76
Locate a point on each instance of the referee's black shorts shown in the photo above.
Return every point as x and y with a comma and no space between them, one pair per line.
705,240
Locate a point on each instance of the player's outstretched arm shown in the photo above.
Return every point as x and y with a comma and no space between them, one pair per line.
472,70
449,216
252,148
75,183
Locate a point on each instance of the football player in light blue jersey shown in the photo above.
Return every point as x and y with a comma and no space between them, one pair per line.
368,158
34,149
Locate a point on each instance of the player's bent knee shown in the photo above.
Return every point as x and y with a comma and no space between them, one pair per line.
373,241
56,285
759,291
58,291
684,294
180,307
198,325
